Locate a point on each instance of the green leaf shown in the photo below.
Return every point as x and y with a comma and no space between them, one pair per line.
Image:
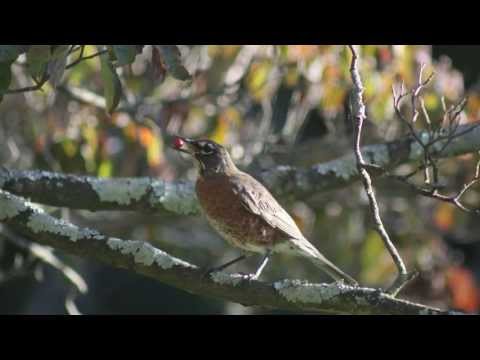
5,77
125,54
112,88
172,59
37,60
9,53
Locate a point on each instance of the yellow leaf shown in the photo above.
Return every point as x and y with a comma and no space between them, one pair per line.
105,168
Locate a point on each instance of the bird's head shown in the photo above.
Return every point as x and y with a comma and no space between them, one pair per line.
210,157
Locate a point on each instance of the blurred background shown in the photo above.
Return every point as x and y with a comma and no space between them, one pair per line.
269,105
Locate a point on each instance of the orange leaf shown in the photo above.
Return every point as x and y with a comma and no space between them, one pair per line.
145,136
465,294
443,216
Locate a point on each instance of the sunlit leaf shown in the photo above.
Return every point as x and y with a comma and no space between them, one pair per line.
154,152
226,119
257,78
112,88
145,136
372,257
130,131
105,168
301,52
171,57
69,148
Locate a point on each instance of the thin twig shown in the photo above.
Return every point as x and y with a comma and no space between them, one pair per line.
80,59
359,116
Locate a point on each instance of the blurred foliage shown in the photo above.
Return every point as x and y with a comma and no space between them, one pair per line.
111,111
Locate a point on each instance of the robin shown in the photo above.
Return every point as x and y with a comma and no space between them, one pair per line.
244,212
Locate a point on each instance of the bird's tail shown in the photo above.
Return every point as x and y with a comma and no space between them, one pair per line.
310,252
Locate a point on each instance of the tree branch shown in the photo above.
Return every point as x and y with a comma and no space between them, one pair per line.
359,116
91,193
156,195
142,258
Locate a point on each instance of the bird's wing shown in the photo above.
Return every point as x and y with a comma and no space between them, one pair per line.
258,200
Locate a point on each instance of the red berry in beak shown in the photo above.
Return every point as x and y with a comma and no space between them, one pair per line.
178,143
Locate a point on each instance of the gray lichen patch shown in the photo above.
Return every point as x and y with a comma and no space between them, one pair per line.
10,205
179,197
426,312
41,222
274,179
304,292
343,168
120,191
416,151
145,253
376,154
223,278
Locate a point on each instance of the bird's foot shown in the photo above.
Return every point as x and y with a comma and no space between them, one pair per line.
342,282
209,272
249,276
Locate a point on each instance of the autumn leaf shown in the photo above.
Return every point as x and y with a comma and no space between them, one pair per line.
443,216
462,285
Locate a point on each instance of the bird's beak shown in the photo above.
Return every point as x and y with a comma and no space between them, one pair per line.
184,145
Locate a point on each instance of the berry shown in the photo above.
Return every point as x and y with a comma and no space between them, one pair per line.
178,143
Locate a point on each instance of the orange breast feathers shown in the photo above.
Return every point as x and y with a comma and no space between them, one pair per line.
231,219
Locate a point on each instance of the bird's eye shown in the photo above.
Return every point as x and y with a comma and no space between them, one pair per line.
207,149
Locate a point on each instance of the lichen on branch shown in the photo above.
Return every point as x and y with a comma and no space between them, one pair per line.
143,258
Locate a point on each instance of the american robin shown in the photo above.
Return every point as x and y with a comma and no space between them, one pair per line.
244,212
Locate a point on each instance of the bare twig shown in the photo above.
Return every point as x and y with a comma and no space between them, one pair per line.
37,86
82,58
359,116
433,191
431,151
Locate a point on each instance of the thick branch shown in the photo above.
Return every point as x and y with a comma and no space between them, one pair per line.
90,193
146,194
144,259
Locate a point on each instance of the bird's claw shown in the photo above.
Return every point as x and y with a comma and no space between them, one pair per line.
208,272
249,276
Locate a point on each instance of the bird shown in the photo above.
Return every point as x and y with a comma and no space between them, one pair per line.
245,213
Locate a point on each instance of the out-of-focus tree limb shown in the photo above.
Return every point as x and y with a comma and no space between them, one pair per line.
144,259
156,195
90,193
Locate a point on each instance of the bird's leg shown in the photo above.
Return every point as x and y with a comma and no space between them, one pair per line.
262,266
224,266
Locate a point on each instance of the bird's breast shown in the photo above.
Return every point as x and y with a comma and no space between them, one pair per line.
224,211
